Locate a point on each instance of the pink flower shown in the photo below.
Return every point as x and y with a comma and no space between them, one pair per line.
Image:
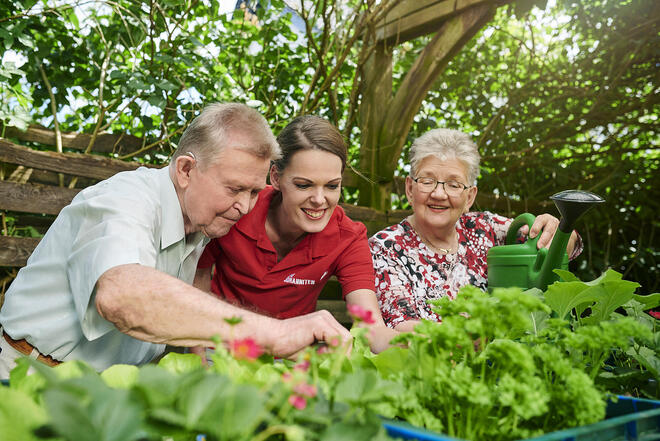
305,390
245,349
335,341
323,350
655,314
360,314
298,402
302,367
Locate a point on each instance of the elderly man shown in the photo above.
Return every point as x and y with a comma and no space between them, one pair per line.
110,282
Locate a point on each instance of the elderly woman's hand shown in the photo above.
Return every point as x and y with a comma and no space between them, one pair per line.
548,224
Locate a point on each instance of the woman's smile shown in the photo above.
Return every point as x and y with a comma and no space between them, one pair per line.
313,213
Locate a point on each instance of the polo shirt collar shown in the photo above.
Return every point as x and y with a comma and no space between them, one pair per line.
172,229
253,225
312,246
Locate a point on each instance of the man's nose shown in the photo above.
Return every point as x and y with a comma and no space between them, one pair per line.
242,203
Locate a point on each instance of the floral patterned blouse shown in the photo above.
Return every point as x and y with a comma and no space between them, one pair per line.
408,273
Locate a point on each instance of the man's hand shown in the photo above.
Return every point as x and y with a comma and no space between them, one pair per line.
290,336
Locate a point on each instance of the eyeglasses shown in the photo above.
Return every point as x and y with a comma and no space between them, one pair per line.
452,188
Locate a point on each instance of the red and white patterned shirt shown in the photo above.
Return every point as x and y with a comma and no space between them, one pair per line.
408,273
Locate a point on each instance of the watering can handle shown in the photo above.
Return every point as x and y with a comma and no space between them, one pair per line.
512,233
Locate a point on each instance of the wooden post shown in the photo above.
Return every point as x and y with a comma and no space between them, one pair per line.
386,116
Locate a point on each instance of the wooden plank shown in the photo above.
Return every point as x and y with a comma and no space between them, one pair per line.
364,214
34,198
14,251
104,143
411,19
39,222
338,310
77,164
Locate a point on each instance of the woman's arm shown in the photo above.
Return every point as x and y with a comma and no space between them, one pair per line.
379,335
407,325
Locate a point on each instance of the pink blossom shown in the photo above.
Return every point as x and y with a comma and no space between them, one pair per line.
655,314
323,350
305,390
360,314
245,349
334,341
303,366
298,402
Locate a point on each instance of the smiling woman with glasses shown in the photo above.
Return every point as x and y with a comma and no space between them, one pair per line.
442,246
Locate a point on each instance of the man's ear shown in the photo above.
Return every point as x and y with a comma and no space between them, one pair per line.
183,165
274,178
472,195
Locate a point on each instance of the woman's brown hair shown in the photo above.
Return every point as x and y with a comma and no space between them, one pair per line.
309,132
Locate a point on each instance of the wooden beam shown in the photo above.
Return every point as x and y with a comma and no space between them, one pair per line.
14,251
104,142
77,164
413,18
34,198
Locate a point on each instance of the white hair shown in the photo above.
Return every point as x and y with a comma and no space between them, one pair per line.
446,144
212,131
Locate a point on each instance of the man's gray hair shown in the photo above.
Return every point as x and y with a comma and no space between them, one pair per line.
446,144
219,126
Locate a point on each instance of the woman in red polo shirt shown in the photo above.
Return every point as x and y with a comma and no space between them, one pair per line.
278,257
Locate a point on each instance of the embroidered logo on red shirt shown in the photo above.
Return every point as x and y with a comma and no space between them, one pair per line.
291,279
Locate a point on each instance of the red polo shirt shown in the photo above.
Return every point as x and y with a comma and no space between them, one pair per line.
248,274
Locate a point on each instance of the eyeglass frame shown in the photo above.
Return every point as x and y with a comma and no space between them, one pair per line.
465,187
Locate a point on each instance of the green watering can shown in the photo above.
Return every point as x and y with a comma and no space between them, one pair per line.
525,266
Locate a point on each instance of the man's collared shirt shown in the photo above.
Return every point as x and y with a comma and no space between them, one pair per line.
131,218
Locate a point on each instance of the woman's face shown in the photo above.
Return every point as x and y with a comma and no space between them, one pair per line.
437,211
310,186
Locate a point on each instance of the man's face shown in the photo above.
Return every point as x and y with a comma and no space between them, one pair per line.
215,198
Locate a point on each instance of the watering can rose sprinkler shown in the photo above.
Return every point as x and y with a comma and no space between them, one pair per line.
525,266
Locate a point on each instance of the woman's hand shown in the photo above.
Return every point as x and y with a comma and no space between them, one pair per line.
379,335
548,224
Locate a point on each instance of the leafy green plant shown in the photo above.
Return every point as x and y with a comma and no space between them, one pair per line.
475,376
505,366
234,399
604,314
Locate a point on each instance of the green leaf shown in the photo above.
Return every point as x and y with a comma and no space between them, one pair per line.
566,276
564,296
157,101
157,385
611,295
649,301
120,376
166,85
357,387
391,361
69,416
180,363
648,358
19,415
73,18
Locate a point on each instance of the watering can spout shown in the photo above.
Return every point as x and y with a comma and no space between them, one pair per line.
571,205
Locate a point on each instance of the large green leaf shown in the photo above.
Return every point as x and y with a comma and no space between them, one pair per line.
19,415
562,297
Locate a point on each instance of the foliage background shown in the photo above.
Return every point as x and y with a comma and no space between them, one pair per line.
563,95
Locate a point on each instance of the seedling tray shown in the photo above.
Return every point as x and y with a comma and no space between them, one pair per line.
628,419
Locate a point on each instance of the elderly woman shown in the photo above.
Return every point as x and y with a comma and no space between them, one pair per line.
442,246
